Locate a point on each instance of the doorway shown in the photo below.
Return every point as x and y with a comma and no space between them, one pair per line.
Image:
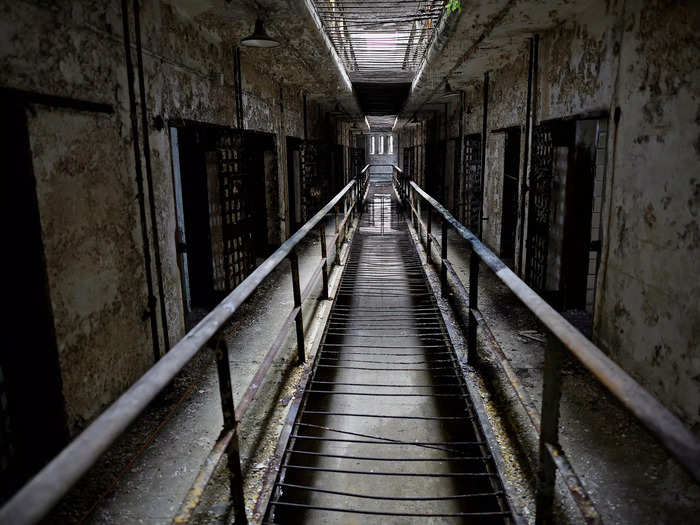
294,183
33,421
220,176
509,217
566,184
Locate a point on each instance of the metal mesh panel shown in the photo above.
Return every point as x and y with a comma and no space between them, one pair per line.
311,180
539,207
471,188
238,258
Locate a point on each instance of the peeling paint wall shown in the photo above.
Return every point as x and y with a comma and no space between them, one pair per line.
648,311
85,168
640,56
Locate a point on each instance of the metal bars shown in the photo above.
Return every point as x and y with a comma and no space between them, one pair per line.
378,38
680,441
31,503
372,414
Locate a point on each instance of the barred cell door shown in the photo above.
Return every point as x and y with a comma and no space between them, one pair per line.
539,210
312,182
471,200
357,159
457,182
237,257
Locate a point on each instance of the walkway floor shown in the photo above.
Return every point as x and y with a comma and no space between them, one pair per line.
628,475
145,476
386,432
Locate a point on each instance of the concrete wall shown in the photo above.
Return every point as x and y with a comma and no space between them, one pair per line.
84,166
641,57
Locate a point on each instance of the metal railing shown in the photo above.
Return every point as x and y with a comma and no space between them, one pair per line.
33,501
680,441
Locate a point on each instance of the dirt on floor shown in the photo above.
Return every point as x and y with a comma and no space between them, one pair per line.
628,475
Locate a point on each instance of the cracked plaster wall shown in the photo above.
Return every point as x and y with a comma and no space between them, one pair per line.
643,57
85,169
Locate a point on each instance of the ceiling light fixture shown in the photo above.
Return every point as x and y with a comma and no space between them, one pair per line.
259,38
447,92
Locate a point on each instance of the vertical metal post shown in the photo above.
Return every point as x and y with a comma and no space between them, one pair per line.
294,260
428,240
337,236
472,356
324,256
234,459
419,218
549,431
443,254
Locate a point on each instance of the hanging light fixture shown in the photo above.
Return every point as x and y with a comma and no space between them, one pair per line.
447,92
259,38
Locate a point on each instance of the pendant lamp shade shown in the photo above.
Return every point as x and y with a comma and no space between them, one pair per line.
259,38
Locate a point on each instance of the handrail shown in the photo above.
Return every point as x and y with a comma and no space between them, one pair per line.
680,441
365,168
36,498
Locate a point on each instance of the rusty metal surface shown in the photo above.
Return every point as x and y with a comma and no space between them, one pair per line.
572,481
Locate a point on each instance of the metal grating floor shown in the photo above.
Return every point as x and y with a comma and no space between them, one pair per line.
386,432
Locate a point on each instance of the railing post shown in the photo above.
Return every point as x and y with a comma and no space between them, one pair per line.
549,431
428,240
337,234
443,254
324,256
473,306
413,208
294,260
234,458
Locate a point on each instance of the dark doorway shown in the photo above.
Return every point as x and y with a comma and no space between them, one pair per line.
562,255
579,213
509,218
222,208
261,161
33,425
294,183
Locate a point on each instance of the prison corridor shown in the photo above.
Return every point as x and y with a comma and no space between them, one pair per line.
386,431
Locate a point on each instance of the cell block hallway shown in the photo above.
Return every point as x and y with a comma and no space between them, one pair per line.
350,261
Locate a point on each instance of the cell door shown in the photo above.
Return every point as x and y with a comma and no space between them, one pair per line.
539,210
511,170
471,199
311,181
237,257
357,159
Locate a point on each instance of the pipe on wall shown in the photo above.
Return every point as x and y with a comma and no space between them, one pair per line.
529,118
150,311
484,130
149,176
238,86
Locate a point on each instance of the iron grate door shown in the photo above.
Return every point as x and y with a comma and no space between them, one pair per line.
357,158
238,257
471,187
311,181
539,211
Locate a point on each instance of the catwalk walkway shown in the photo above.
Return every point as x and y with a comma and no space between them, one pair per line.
386,432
